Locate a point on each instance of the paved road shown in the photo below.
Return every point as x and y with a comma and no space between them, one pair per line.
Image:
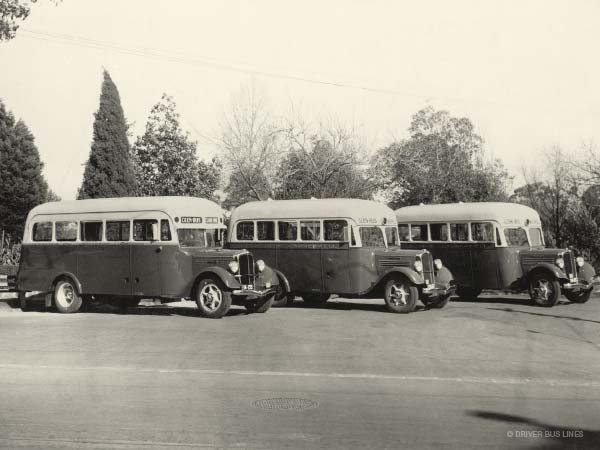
492,374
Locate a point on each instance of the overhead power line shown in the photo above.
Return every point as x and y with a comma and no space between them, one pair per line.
178,57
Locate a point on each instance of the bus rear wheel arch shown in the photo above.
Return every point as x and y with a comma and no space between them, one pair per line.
544,288
400,295
66,298
212,298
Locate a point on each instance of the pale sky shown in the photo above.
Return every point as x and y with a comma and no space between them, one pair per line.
527,73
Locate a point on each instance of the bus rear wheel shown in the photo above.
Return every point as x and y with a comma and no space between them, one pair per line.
212,299
544,289
260,306
315,299
66,298
400,296
578,297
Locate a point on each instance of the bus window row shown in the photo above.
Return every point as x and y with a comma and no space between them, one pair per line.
470,232
292,230
101,231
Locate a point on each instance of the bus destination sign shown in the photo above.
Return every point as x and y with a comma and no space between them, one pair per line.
191,220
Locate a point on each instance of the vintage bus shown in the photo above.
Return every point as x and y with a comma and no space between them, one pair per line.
338,246
497,246
124,249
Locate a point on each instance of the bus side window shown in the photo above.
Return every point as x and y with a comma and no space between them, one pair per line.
418,232
42,231
265,230
165,230
334,230
310,230
117,230
439,231
482,231
143,230
66,231
91,231
245,231
288,230
404,232
459,231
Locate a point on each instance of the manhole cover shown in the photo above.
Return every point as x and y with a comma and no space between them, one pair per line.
288,404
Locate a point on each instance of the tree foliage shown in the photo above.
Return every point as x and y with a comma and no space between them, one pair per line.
323,163
22,185
442,161
109,171
165,157
12,12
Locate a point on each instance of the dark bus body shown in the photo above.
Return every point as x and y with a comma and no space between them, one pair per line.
124,249
496,246
338,246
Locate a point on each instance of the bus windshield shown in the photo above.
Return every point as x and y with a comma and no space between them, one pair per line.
198,237
516,237
535,236
371,237
391,236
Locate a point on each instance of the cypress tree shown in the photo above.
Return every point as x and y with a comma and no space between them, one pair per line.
109,171
22,185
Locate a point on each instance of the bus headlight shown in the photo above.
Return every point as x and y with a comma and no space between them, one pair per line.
580,261
418,265
260,265
438,264
234,266
560,263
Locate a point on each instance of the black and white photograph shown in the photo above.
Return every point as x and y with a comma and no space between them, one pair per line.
279,225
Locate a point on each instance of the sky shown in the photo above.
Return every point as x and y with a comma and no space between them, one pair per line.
524,72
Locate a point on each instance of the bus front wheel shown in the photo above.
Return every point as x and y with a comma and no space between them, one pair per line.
578,297
400,296
66,298
544,289
212,299
260,306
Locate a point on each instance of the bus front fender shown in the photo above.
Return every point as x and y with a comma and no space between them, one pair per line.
283,281
222,274
413,277
547,267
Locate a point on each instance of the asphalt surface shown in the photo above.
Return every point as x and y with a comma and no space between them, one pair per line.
497,373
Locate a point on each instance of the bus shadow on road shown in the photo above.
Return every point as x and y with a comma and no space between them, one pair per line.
494,299
341,305
140,310
556,316
545,436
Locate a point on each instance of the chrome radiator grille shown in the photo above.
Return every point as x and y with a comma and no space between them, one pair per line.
428,274
569,259
246,273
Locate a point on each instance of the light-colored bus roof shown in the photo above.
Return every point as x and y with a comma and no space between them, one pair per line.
171,205
314,209
499,211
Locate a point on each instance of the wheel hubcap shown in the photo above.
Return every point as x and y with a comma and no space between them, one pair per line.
66,294
211,297
398,295
543,290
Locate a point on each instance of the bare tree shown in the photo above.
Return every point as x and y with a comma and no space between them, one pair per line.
250,143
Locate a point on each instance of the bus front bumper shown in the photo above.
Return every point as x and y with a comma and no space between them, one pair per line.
256,292
581,285
439,289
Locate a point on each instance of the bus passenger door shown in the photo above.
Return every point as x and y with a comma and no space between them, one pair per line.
336,270
145,255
